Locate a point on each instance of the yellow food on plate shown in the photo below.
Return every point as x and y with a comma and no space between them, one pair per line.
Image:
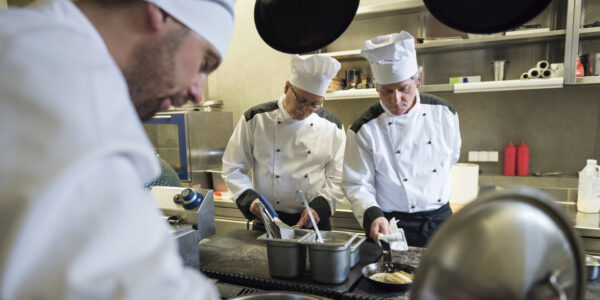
399,277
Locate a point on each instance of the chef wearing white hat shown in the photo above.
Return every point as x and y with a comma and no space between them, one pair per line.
399,152
75,79
290,144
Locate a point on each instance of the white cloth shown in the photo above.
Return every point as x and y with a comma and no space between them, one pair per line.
392,57
75,220
210,19
396,238
307,155
402,163
313,73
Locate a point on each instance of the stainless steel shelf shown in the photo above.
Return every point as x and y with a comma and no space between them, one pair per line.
527,38
555,35
588,33
587,80
392,7
475,87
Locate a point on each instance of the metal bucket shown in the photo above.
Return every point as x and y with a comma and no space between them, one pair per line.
355,251
330,260
286,256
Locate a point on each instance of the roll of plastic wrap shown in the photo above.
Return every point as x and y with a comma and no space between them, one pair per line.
534,73
465,182
542,64
524,75
547,73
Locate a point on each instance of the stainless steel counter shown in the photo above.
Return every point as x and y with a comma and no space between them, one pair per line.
563,189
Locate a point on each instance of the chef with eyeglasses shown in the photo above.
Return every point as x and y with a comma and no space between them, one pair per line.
399,152
290,145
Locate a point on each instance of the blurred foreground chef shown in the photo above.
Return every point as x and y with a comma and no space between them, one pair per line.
399,152
76,222
291,144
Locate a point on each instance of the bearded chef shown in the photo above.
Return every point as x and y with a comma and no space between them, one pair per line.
399,152
290,144
76,77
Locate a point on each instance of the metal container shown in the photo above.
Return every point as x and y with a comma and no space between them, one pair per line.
512,244
330,260
355,251
286,256
591,64
592,264
279,296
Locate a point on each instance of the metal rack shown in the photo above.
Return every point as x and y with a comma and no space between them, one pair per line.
571,37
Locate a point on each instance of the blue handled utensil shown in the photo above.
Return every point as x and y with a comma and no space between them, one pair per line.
279,228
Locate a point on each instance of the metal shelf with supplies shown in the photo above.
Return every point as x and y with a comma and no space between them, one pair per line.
576,35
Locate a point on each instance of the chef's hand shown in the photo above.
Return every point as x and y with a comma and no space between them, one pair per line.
305,222
379,225
255,209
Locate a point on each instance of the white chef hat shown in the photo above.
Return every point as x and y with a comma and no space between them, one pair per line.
211,19
392,57
313,73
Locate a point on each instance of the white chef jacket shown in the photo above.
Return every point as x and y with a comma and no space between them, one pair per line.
75,220
285,156
402,163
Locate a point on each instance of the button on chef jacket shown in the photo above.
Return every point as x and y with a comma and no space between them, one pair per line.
76,221
402,163
285,156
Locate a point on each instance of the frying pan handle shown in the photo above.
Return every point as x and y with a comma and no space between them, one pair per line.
387,251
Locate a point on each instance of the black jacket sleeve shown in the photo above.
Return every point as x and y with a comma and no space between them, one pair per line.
243,203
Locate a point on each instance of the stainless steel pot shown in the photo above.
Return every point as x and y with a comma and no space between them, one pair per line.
509,244
286,256
330,260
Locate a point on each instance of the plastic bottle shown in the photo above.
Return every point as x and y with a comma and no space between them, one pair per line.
523,159
510,159
588,191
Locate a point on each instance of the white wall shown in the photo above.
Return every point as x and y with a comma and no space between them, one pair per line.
252,72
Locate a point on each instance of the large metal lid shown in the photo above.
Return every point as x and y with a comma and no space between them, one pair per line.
509,244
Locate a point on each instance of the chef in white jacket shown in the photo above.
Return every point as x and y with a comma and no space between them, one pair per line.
399,152
75,220
290,145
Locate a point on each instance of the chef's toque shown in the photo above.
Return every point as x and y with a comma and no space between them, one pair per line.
210,19
392,57
313,74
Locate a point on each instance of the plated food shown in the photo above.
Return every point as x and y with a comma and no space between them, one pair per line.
399,277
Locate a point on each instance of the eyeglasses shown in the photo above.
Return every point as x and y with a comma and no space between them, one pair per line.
305,102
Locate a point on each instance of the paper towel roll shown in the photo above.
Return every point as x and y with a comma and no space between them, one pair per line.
525,75
534,73
542,64
465,182
547,73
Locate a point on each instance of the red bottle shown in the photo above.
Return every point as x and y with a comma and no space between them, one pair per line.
523,159
510,159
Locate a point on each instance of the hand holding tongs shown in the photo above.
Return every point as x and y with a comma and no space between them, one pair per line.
300,194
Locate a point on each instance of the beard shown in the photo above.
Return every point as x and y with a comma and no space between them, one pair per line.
151,74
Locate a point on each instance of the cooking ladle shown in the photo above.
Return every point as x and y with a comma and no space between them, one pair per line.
300,195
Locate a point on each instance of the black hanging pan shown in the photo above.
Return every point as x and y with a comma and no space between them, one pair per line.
485,16
300,26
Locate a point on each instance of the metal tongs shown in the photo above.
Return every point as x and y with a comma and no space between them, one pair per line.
273,225
300,194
